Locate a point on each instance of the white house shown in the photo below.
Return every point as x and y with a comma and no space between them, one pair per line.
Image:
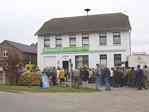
138,58
87,40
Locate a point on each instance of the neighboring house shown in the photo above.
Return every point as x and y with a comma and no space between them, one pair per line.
3,64
25,53
84,40
11,54
138,58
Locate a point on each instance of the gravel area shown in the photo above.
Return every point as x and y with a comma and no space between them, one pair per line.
117,100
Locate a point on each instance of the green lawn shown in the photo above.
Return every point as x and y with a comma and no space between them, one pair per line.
17,89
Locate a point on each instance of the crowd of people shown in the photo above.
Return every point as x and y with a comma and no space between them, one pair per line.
102,76
122,76
77,77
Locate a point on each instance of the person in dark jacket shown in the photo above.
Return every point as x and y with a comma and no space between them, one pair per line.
84,76
54,77
139,74
146,76
121,77
131,77
76,78
106,78
116,77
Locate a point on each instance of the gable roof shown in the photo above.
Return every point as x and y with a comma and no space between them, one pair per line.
24,48
90,23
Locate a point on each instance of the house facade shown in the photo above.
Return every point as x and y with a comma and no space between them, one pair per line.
13,53
25,53
84,40
3,56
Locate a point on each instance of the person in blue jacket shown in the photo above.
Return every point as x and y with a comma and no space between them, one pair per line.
106,77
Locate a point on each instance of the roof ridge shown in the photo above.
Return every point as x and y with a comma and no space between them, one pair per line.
17,43
21,46
103,14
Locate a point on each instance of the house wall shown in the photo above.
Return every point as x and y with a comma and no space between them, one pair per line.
3,60
14,57
141,59
23,57
94,49
29,57
9,63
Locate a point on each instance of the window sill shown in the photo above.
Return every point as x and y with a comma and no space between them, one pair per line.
116,44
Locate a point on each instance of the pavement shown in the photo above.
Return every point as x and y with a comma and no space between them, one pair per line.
117,100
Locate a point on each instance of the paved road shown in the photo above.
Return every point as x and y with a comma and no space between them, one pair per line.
118,100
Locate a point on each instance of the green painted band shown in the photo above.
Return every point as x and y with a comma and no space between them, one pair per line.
65,49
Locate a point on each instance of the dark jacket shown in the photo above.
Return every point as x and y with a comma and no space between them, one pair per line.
106,72
84,75
139,74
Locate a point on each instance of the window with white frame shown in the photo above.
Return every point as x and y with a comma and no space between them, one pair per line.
85,40
116,38
103,59
46,42
58,42
103,38
72,40
117,59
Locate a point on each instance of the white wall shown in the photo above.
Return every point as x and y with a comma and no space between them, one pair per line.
95,49
94,41
40,47
135,60
94,58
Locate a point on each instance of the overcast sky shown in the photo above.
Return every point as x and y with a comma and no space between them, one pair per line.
20,19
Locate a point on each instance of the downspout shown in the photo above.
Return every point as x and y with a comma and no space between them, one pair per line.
130,41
